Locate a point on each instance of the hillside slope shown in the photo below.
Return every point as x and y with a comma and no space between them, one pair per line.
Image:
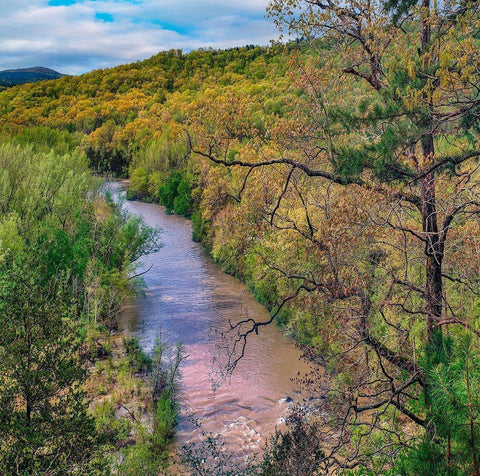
12,77
114,111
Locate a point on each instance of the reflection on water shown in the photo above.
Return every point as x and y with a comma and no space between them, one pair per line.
189,297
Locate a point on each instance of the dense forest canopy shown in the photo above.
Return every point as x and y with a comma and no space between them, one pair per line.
112,113
338,176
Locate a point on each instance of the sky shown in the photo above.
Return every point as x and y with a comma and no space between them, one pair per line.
76,36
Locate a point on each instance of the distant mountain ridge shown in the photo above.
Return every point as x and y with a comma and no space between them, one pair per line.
12,77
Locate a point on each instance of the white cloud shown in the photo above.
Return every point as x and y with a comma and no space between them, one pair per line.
71,40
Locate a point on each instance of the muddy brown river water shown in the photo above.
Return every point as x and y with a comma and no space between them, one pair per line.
188,297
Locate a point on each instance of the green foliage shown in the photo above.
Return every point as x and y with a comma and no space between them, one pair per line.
138,360
164,421
138,186
261,281
11,243
46,139
200,228
41,187
454,402
139,459
168,190
182,202
65,255
43,415
104,154
149,454
107,423
174,193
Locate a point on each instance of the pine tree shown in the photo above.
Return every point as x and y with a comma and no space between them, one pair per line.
44,426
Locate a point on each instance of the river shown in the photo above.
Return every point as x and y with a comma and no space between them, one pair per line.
188,297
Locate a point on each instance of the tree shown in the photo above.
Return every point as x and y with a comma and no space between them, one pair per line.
392,119
44,425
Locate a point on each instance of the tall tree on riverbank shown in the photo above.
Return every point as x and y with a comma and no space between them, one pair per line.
393,116
44,423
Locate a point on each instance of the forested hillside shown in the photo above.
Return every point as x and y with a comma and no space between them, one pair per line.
115,113
338,177
12,77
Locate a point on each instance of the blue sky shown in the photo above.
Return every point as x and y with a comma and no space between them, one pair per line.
75,36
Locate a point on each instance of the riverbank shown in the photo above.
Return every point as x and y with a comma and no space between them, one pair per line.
132,410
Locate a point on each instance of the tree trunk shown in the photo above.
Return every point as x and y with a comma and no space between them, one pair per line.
433,256
433,245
